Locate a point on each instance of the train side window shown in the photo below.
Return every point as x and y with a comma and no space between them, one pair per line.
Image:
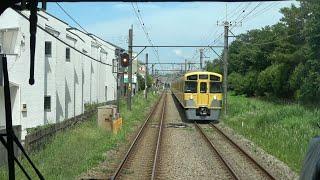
215,87
203,87
190,87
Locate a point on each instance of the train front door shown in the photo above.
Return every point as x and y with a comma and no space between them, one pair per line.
203,94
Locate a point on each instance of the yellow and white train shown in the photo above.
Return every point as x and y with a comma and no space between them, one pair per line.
200,94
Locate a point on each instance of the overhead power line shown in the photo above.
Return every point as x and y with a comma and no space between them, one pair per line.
137,13
243,11
263,10
252,10
75,21
62,41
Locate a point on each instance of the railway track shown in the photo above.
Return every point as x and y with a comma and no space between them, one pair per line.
260,172
145,148
217,153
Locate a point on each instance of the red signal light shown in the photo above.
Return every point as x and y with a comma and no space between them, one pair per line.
124,58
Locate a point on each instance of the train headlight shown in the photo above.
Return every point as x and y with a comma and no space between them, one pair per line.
215,97
191,97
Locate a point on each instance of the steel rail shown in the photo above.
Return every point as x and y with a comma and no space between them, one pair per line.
134,142
242,151
156,155
222,159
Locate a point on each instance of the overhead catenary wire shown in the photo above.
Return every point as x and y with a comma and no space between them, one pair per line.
262,11
235,11
252,10
137,13
221,34
245,17
243,11
209,35
62,41
75,21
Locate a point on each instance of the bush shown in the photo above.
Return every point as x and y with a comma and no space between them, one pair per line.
243,84
274,79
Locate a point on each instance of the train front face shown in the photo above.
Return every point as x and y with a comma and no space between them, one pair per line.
203,96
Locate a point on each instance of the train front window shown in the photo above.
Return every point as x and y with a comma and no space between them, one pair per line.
192,77
214,78
215,87
190,87
203,87
203,76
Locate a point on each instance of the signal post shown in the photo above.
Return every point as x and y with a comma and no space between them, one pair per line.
130,69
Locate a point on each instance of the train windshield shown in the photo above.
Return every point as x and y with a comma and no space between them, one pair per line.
203,87
190,87
215,87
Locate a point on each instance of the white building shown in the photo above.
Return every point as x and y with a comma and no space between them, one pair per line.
71,68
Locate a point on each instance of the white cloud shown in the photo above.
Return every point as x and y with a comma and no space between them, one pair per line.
177,24
178,52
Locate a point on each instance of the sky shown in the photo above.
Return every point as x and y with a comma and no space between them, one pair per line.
187,23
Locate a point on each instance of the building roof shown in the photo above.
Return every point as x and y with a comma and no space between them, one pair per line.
89,34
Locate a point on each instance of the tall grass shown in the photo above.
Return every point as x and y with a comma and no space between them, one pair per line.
281,129
76,150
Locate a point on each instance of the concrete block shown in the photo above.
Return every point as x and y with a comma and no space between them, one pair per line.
106,114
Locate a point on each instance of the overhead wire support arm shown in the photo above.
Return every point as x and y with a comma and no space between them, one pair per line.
138,53
173,63
233,35
216,52
179,46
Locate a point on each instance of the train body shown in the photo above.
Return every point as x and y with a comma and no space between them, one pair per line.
200,94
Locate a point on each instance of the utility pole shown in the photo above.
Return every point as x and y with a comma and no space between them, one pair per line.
152,70
1,71
130,69
226,25
118,84
185,66
225,65
146,78
201,59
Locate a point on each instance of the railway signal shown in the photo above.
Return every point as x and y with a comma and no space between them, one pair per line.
124,57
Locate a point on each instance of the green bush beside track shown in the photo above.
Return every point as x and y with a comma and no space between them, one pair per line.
283,130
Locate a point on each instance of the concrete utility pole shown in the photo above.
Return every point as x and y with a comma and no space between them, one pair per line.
130,69
201,59
225,65
185,66
146,78
1,71
152,69
118,84
121,81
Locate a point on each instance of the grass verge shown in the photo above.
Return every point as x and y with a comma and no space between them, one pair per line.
77,150
283,130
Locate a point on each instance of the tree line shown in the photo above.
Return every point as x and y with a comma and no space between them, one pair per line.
282,60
